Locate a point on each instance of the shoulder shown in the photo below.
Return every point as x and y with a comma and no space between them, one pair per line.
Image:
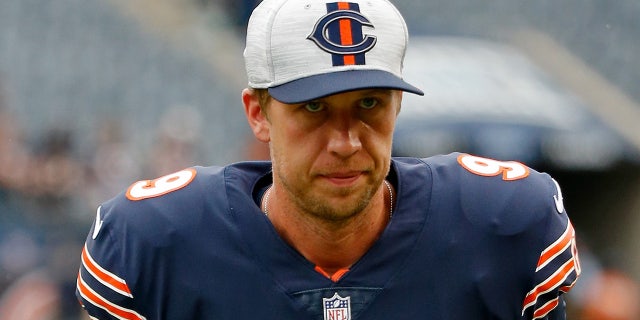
163,198
475,172
179,198
505,196
162,221
511,215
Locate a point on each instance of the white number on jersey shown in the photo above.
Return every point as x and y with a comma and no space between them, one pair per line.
510,170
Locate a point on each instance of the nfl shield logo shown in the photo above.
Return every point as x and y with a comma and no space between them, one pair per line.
337,308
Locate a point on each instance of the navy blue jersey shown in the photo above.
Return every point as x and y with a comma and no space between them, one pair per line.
470,238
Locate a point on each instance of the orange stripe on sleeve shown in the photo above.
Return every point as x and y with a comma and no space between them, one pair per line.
545,309
557,247
553,281
94,298
105,277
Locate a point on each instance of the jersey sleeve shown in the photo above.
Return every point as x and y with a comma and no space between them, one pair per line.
102,286
557,268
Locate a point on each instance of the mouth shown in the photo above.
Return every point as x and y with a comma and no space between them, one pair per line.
343,179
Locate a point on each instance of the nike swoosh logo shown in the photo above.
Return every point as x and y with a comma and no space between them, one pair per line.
98,226
558,198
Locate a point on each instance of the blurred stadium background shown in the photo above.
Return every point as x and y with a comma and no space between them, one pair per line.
97,94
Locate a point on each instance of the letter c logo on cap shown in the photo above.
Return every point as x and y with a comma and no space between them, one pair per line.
329,25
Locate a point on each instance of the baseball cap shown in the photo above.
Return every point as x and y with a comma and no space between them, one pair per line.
301,50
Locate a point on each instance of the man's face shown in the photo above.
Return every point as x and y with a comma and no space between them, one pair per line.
331,154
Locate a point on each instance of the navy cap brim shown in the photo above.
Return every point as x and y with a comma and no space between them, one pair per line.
322,85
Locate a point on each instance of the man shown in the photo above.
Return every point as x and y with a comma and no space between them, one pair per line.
332,227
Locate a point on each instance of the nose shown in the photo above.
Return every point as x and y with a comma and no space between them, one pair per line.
344,137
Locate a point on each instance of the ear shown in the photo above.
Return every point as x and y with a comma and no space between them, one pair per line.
255,115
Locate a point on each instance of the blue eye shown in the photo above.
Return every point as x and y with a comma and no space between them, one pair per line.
314,106
368,103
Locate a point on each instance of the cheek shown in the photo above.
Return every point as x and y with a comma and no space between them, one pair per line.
380,134
379,144
380,151
290,150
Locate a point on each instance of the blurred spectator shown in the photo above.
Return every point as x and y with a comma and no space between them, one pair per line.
32,297
112,165
14,163
44,290
38,187
240,10
58,174
603,291
54,181
18,249
176,142
19,253
611,295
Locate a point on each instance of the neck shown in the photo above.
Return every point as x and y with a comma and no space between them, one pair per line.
331,245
